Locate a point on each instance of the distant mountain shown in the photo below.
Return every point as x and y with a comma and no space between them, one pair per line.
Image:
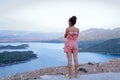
108,46
95,34
16,36
99,34
87,44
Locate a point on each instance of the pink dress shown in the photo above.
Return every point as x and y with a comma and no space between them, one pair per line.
71,44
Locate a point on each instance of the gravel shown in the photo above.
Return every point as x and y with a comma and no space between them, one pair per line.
99,76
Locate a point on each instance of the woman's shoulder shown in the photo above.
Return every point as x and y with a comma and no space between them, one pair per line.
68,29
76,29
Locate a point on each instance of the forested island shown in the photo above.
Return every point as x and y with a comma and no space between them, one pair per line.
22,46
108,46
15,57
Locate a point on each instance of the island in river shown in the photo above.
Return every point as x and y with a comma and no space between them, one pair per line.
22,46
15,57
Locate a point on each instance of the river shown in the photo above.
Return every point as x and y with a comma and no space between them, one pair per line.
49,55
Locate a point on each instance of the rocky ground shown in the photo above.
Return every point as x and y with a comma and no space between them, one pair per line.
84,69
98,76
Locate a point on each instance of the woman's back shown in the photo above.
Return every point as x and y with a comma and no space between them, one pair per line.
72,33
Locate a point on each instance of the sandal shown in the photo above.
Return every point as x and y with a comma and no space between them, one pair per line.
68,76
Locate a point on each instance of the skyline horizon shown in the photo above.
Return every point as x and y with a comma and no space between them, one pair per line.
59,32
52,16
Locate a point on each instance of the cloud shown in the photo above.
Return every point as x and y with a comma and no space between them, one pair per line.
46,15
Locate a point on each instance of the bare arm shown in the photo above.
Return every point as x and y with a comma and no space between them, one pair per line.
78,33
65,35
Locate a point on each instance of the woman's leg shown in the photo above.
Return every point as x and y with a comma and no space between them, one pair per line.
69,58
75,55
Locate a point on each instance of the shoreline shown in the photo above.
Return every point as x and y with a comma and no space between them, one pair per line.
91,68
16,57
14,63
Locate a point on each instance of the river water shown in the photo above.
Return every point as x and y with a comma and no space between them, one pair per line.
49,55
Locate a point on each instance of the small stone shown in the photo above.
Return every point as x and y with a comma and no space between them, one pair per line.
83,69
90,63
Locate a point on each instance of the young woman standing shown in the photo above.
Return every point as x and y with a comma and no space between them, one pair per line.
71,45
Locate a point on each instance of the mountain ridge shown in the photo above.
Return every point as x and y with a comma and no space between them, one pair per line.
108,46
16,36
97,34
92,34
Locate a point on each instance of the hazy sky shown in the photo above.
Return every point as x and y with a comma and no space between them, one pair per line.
53,15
